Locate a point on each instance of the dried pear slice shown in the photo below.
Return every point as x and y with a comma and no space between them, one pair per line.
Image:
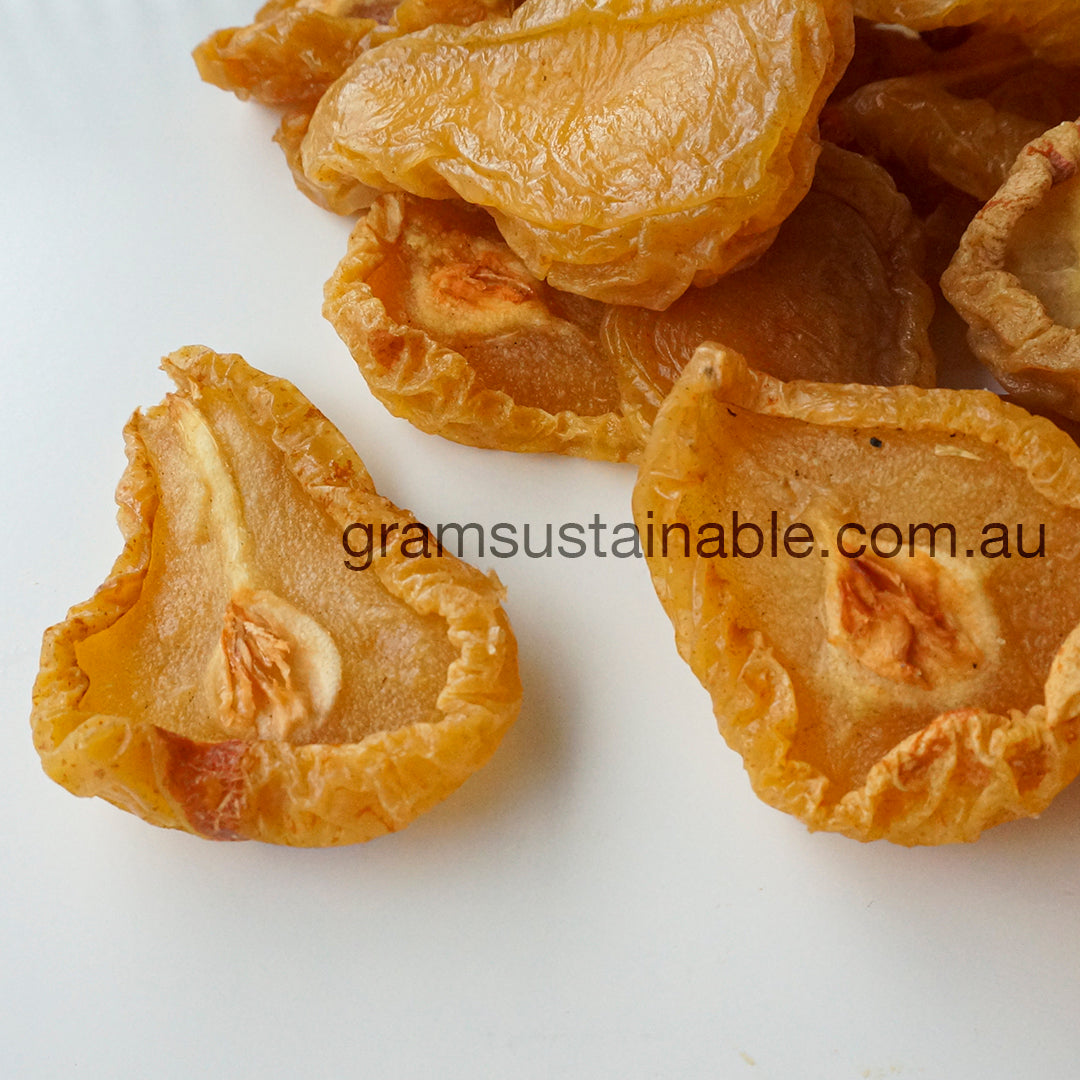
626,149
1015,277
837,298
1050,30
340,195
921,124
962,121
233,677
287,58
881,683
293,50
453,333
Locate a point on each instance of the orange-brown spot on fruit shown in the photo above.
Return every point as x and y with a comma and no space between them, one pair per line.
207,780
484,278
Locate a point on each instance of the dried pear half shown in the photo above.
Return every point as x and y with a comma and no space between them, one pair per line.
1015,277
833,559
287,58
926,125
838,297
962,120
625,147
233,677
453,333
293,50
1050,28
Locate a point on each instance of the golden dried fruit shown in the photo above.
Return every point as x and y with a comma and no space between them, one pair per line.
234,677
918,123
879,587
453,333
340,195
1015,276
836,298
962,122
1050,28
410,15
1070,427
293,51
625,147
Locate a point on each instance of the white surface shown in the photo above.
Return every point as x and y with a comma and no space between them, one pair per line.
607,898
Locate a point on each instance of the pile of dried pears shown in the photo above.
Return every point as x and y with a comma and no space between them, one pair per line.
736,242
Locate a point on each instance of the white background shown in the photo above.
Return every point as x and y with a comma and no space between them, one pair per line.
605,899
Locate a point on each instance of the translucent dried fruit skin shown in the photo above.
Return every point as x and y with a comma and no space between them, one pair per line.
292,52
1050,28
964,120
607,141
838,297
340,195
918,122
453,333
295,49
1013,277
412,15
198,687
919,699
